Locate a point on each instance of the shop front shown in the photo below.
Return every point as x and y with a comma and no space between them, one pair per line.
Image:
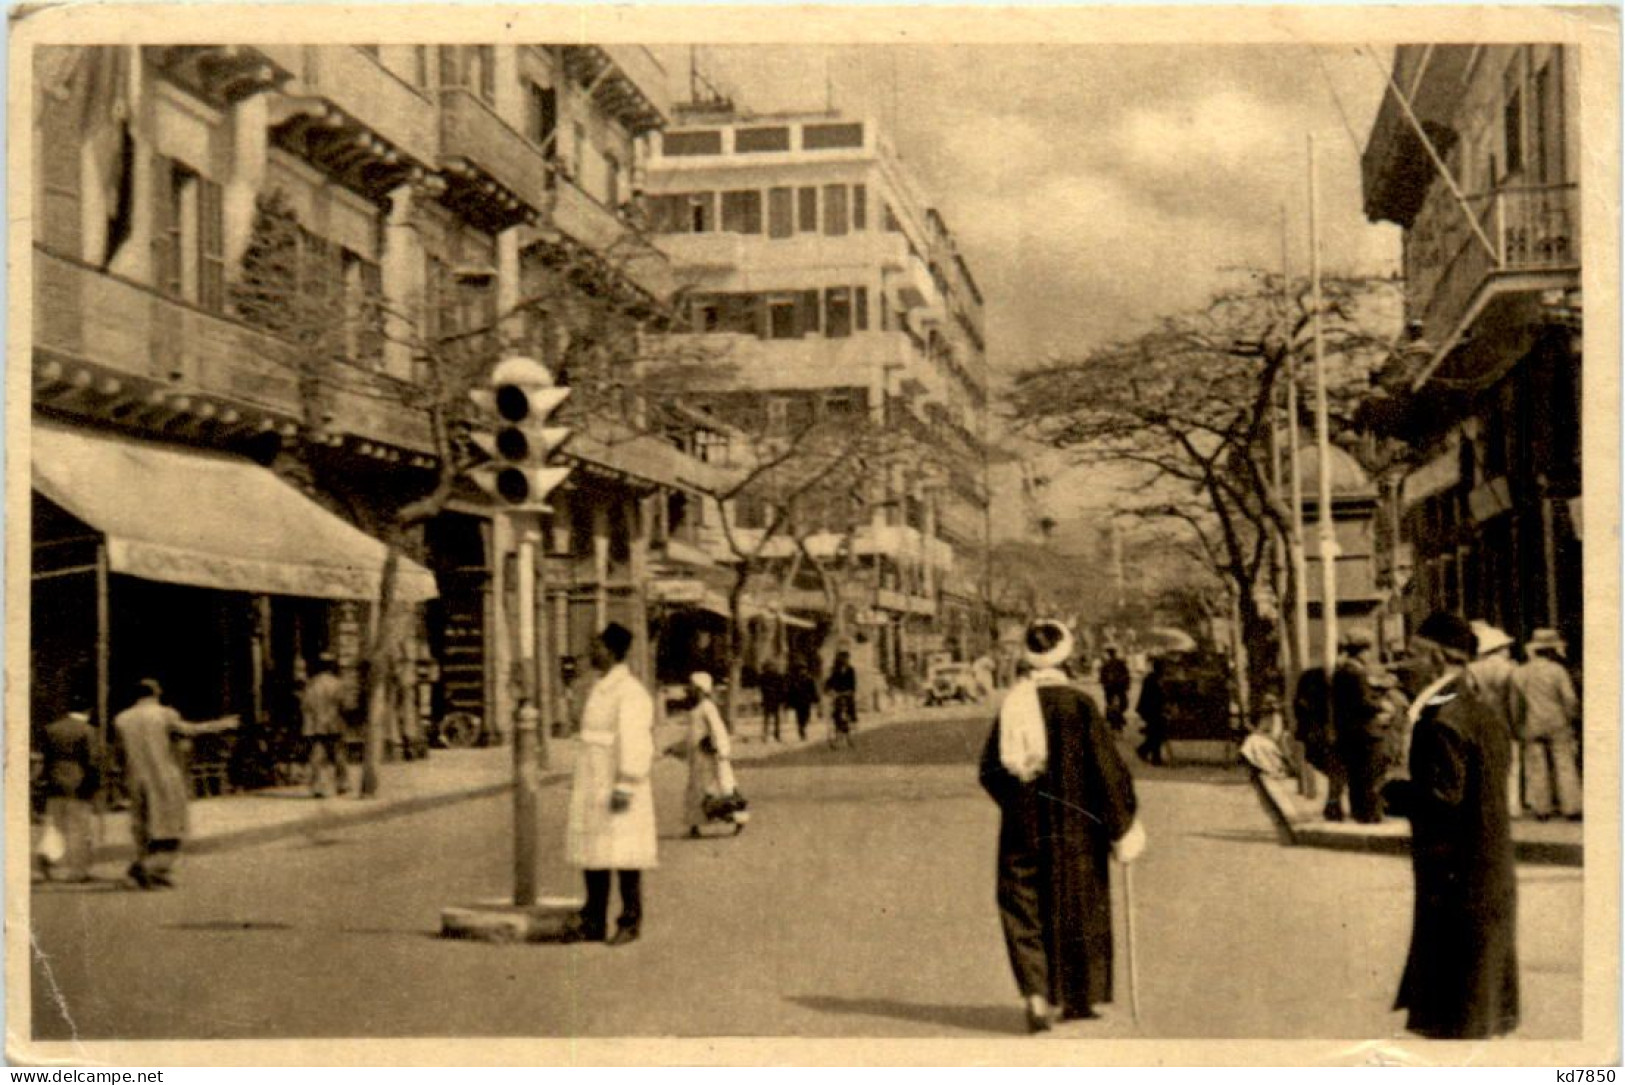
207,572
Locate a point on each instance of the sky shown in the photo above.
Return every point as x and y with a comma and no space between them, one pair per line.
1095,187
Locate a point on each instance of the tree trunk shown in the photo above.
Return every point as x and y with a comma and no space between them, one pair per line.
380,673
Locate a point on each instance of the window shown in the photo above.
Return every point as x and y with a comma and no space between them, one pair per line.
892,225
885,313
781,319
211,246
752,140
820,137
839,405
834,210
860,207
702,212
612,181
363,304
1547,121
838,312
1512,122
472,67
742,212
809,312
188,237
542,117
687,143
420,65
807,214
861,298
780,213
799,413
578,150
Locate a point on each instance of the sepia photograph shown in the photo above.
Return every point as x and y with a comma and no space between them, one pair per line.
660,535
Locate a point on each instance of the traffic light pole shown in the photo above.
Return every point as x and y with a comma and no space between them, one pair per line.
526,769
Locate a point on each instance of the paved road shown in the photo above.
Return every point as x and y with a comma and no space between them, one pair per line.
859,903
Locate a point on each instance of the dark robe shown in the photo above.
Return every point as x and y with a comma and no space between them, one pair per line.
1461,978
1054,851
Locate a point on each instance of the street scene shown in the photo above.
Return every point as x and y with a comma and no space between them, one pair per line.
807,541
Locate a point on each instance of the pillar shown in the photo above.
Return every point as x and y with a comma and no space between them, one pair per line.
246,177
500,656
401,271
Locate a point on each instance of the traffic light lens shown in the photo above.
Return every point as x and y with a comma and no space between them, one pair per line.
512,444
512,403
513,486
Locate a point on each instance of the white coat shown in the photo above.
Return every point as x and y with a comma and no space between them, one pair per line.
709,774
617,747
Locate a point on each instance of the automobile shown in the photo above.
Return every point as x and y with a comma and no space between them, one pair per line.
950,682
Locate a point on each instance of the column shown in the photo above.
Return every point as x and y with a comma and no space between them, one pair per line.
600,564
638,532
401,270
508,288
250,122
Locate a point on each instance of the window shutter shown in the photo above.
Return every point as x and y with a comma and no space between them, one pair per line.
449,68
860,207
808,200
488,75
211,247
861,307
809,312
166,232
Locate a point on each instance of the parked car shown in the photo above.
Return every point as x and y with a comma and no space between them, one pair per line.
951,682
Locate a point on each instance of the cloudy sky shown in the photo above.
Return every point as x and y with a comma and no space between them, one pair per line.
1096,187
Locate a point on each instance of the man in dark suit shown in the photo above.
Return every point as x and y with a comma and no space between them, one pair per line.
1461,977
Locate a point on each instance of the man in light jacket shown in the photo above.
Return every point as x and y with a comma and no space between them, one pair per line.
611,824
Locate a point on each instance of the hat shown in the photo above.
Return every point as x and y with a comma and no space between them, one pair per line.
1449,631
1546,640
701,681
1047,644
1491,638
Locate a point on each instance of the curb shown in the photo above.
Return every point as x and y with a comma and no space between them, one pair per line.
1313,835
362,812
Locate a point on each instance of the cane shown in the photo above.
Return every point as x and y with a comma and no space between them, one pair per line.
1133,956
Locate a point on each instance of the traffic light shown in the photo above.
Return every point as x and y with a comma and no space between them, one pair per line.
517,404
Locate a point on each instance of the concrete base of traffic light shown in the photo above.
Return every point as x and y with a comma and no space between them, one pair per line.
503,922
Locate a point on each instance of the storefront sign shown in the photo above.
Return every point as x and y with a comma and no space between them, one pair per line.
1490,500
1435,476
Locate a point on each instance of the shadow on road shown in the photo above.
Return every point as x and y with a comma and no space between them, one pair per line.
952,741
1002,1019
231,926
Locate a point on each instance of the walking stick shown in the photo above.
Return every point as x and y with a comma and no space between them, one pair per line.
1133,956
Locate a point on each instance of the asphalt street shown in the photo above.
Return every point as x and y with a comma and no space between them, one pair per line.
859,903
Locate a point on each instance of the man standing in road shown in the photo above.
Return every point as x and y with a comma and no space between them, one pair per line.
611,825
1067,805
1114,684
322,706
72,764
1461,977
842,685
1357,686
1546,708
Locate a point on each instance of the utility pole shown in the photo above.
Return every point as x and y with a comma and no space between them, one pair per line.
1300,571
1327,530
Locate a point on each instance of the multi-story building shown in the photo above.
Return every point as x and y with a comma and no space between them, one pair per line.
1490,385
816,269
256,266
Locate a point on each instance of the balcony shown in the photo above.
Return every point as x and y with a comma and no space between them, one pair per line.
737,362
223,74
625,81
1452,277
495,177
353,117
121,351
590,225
720,252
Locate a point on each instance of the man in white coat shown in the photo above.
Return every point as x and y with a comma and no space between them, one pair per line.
611,825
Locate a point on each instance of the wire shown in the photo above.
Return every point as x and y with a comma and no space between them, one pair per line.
1337,99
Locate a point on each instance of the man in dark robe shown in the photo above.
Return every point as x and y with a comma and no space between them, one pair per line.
1461,978
1114,683
1068,805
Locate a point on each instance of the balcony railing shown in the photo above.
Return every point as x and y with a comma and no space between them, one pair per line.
589,223
125,328
472,135
368,93
1530,230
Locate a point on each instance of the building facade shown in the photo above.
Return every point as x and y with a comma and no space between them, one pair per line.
280,268
1488,390
812,264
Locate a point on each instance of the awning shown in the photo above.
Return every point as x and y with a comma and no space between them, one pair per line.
210,520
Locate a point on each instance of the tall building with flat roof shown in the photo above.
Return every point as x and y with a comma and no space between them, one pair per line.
819,268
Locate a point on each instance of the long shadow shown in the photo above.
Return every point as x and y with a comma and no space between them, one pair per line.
1000,1019
951,741
229,926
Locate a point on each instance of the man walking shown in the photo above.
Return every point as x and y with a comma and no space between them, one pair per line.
1461,976
72,763
1067,805
1357,687
842,686
611,824
1546,708
322,706
770,683
1114,683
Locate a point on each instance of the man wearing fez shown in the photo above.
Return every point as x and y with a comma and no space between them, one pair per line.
1068,806
611,824
1461,978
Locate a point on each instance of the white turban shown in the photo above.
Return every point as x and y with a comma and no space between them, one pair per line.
1056,655
700,681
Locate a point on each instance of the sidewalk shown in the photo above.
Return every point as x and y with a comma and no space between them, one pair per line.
411,787
1555,843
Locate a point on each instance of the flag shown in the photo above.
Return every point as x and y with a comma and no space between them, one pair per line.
105,119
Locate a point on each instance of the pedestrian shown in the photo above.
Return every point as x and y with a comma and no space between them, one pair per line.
1153,710
1114,684
72,771
982,668
325,699
1461,976
1546,711
842,686
801,694
1067,804
611,821
713,791
158,816
1359,724
770,683
1490,678
1317,731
